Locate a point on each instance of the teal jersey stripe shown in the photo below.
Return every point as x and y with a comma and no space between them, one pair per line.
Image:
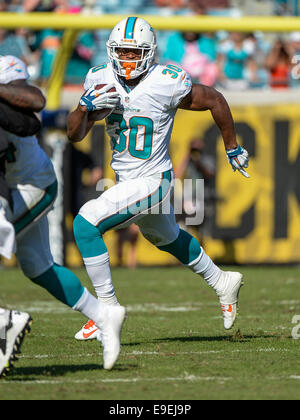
129,29
47,200
141,205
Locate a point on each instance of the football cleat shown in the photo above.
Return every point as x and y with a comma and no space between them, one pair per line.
111,327
14,326
229,299
88,332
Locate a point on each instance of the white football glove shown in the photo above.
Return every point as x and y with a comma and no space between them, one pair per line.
95,99
238,159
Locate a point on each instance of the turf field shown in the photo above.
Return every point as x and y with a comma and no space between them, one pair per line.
174,345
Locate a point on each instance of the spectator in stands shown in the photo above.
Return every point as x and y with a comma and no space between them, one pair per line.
47,43
14,6
294,48
285,7
17,42
197,7
211,7
195,53
11,44
37,5
233,59
81,59
173,5
279,63
256,72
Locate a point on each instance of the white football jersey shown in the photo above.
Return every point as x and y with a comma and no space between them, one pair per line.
140,126
27,162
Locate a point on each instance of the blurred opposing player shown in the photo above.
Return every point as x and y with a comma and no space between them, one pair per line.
32,182
13,324
143,109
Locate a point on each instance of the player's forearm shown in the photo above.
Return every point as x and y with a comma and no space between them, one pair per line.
204,98
223,118
18,121
78,125
27,97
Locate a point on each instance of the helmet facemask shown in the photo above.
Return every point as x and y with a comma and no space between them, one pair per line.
131,69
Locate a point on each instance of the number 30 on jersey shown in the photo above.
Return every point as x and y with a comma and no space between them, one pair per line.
135,126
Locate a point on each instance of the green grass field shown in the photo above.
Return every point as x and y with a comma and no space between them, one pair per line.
174,345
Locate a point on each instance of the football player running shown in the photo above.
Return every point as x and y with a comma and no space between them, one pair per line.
32,182
143,106
13,324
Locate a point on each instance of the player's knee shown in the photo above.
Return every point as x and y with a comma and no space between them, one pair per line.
83,229
77,228
88,210
33,268
88,238
161,236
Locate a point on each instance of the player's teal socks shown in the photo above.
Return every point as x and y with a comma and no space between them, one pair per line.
188,251
185,248
96,259
62,284
88,238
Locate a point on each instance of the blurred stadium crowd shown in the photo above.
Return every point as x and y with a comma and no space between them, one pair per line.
234,61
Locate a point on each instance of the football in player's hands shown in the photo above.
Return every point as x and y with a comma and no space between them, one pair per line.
100,114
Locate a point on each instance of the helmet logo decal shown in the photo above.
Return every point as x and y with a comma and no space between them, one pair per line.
129,27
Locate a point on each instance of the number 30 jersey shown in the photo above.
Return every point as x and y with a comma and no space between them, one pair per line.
140,126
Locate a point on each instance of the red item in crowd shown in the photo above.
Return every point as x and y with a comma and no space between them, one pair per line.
279,76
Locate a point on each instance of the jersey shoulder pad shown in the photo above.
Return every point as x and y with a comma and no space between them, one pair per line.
97,74
174,80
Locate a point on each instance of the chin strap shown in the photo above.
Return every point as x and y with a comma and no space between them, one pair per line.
128,68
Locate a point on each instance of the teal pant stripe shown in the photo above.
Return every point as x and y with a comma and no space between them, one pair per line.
47,200
185,248
62,284
88,238
142,205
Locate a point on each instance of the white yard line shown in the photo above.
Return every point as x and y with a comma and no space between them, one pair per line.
58,308
156,353
184,378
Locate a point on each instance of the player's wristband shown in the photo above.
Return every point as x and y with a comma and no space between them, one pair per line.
235,152
86,102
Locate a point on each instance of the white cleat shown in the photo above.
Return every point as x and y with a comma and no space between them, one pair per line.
111,327
14,326
89,331
229,299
